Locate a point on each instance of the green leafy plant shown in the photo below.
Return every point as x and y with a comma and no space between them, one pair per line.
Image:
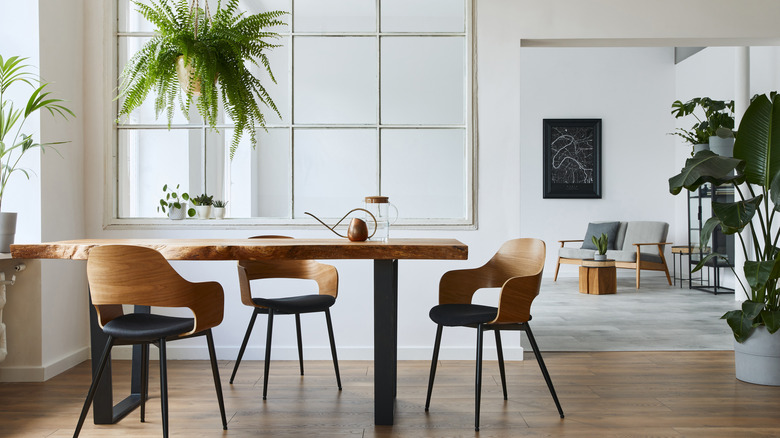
13,142
219,204
173,199
218,49
203,199
601,243
756,165
717,119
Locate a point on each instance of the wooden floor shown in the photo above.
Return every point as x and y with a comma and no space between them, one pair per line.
604,394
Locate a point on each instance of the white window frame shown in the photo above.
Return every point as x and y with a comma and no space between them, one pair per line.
111,221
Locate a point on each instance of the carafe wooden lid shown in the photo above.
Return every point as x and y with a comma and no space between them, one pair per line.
377,199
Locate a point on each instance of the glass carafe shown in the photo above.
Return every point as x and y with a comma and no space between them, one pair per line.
381,208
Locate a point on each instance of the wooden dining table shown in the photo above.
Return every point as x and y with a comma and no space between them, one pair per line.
384,254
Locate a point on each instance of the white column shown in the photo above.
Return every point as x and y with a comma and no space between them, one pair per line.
741,102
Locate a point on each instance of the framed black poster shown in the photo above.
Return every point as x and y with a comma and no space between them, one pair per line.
572,158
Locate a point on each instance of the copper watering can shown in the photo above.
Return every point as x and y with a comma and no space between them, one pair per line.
357,231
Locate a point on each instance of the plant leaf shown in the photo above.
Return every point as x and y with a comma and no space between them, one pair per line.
741,326
706,166
734,216
758,142
771,320
758,274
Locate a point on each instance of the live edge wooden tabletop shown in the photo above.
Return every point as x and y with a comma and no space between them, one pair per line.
255,249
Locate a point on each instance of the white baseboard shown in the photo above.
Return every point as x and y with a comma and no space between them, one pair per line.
323,353
43,373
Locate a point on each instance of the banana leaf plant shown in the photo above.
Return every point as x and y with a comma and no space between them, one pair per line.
755,174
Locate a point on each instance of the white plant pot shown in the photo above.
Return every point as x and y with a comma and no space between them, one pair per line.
7,231
599,257
701,147
178,213
204,211
756,360
722,146
219,212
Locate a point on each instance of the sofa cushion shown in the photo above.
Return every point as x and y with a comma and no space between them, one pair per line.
630,256
644,232
597,229
576,253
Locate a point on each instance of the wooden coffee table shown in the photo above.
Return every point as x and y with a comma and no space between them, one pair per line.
598,277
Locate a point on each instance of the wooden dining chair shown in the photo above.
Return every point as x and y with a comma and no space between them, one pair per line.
327,279
517,269
120,274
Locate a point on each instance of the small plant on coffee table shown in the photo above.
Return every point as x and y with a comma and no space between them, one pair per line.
601,245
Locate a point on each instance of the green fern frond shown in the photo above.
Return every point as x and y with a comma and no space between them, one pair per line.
218,55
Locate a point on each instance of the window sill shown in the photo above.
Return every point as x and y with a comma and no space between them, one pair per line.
246,223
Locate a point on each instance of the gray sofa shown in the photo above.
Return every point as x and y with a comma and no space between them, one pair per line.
638,245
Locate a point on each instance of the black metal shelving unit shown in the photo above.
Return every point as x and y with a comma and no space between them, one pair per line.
699,210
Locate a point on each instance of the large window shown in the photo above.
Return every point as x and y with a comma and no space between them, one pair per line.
375,97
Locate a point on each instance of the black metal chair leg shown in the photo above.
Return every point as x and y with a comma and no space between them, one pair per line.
332,348
478,385
243,344
93,387
267,364
144,379
539,359
215,372
300,340
164,387
500,352
434,361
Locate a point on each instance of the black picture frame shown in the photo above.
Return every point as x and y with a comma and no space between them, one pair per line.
572,158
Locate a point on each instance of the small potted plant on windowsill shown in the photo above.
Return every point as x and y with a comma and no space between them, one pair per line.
601,247
175,203
202,205
219,209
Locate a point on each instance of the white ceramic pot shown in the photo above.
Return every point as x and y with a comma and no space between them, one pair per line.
178,213
204,211
219,212
599,257
701,147
722,146
756,360
7,231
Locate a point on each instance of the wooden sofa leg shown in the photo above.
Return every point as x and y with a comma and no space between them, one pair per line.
637,276
557,266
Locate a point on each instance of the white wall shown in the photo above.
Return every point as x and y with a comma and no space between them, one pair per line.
630,89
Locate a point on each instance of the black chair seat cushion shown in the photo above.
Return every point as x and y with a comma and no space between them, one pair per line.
462,314
299,304
147,326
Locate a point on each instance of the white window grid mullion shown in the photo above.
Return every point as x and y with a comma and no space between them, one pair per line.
378,29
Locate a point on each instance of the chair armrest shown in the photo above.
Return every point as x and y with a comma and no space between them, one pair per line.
653,243
514,303
458,286
563,242
208,305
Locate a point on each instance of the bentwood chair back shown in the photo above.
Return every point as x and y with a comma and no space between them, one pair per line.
120,274
327,279
517,269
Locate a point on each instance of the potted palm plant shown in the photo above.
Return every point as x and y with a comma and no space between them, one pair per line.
754,172
210,55
13,142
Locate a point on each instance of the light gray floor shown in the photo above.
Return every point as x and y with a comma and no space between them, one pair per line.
655,317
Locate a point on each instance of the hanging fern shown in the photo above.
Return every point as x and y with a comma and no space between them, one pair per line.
218,48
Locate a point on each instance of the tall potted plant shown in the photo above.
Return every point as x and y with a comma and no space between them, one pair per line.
755,174
210,56
13,142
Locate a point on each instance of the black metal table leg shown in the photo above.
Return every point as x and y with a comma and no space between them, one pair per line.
385,339
103,409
